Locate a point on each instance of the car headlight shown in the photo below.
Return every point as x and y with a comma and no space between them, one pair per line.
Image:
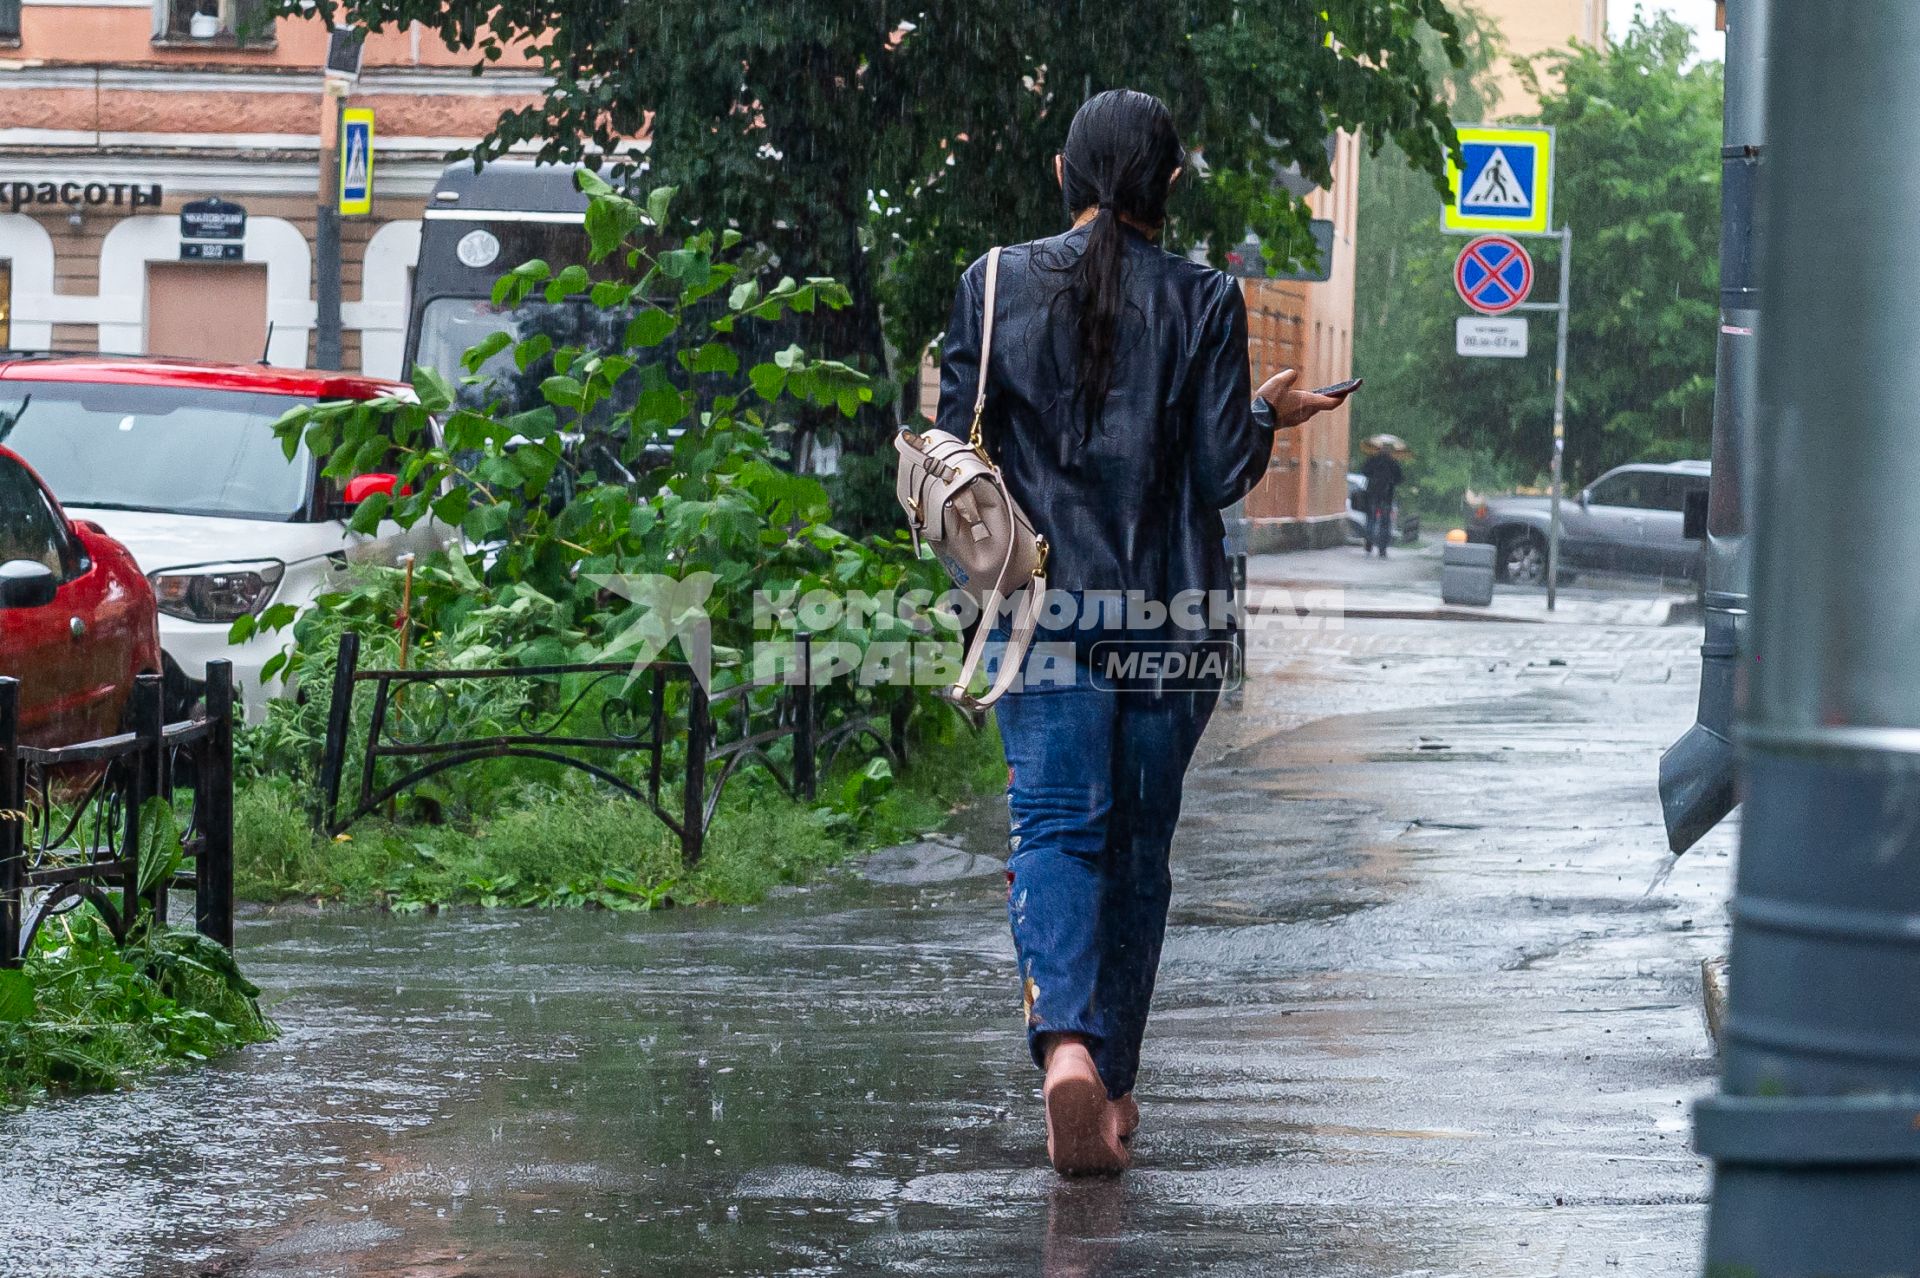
217,592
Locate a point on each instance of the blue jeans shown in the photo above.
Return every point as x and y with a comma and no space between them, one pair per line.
1094,778
1380,526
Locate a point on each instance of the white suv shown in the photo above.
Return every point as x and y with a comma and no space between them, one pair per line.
178,461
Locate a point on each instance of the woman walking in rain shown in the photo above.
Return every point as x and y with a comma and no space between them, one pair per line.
1120,412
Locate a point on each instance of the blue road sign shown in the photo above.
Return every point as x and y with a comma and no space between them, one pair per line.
1504,182
356,161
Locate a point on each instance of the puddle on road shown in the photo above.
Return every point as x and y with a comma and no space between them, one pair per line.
1247,914
1384,1133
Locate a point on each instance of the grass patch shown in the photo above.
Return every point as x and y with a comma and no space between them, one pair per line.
563,840
87,1014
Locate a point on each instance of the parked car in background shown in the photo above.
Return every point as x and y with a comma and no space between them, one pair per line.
1406,526
77,620
178,460
1627,521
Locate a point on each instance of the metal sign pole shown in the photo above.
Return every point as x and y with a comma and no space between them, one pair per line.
1559,419
326,235
1504,184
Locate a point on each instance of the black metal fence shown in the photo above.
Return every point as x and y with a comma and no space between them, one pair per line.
577,715
71,817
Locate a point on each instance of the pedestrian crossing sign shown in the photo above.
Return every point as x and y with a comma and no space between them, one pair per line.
1504,181
356,161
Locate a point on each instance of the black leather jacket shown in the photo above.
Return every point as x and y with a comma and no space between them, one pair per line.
1137,505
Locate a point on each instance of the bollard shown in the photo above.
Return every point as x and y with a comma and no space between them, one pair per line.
13,824
213,797
1466,573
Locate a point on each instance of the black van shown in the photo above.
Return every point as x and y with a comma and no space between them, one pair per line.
478,226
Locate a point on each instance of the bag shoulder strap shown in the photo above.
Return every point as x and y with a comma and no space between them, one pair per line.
1026,621
986,345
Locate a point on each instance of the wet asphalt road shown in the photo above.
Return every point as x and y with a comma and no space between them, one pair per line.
1420,1015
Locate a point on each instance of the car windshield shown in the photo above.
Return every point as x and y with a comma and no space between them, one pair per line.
450,326
178,449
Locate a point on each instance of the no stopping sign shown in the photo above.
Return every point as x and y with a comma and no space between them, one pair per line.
1494,274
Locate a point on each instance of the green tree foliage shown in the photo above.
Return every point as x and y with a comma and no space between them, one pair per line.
702,425
86,1012
557,565
886,145
1638,181
551,557
1397,234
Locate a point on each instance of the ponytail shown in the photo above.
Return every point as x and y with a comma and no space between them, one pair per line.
1119,158
1099,293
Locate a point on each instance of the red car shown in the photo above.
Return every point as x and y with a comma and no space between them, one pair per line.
77,617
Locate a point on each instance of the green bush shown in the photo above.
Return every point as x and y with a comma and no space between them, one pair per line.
1442,480
86,1014
582,845
546,540
547,550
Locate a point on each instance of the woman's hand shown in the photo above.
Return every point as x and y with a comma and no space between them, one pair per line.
1293,407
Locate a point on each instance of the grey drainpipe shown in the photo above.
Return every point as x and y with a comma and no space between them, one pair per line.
1815,1134
1697,771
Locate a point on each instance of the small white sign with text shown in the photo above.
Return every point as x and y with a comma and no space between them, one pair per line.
1480,335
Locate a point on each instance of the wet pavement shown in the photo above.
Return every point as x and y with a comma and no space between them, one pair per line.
1406,585
1425,1010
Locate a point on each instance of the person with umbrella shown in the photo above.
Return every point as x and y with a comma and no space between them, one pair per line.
1383,473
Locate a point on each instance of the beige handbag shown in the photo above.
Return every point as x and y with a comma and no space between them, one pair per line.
957,502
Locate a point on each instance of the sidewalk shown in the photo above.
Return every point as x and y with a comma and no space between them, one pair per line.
1406,586
1428,1010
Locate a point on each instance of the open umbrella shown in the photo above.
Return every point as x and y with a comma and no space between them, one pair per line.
1386,444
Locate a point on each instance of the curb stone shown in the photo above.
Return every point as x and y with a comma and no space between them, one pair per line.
1713,994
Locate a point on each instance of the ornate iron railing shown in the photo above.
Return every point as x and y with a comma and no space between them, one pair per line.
576,715
70,817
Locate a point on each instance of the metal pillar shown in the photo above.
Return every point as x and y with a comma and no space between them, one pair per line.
326,235
13,824
1697,771
213,807
1563,310
1814,1133
1559,417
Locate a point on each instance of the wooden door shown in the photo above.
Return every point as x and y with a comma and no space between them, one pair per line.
207,310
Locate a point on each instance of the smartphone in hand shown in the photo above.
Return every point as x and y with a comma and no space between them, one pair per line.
1340,390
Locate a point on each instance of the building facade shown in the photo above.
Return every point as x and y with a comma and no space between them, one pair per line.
116,115
1302,501
1534,27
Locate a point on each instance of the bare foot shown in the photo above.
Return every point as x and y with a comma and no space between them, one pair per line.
1082,1139
1126,1116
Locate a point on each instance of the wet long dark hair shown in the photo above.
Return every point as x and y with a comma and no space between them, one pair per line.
1121,152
